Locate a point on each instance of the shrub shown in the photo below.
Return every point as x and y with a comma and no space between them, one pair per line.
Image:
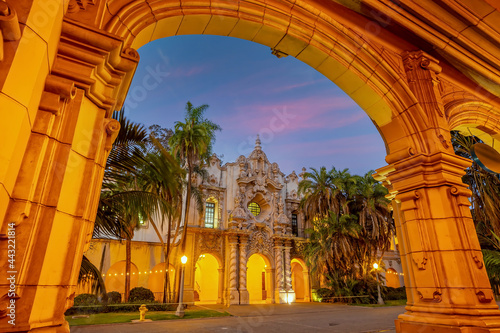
140,294
114,297
86,299
395,293
324,293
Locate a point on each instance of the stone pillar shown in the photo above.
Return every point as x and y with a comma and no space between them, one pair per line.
244,297
59,120
233,296
447,285
279,276
220,296
270,275
307,286
290,294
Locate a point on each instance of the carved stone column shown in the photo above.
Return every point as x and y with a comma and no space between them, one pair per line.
279,277
290,294
220,294
233,296
447,285
270,275
244,297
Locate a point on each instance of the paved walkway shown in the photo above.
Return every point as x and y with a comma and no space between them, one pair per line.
271,318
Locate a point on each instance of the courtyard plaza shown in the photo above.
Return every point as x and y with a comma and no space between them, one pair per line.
270,318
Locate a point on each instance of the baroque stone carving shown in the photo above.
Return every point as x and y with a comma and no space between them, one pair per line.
260,243
210,242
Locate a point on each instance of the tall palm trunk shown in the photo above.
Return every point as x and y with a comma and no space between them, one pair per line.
186,209
128,259
184,230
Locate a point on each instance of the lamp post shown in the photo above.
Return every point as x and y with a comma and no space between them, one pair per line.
380,300
180,308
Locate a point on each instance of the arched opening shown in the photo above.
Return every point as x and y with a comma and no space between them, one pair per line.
258,280
206,279
300,280
115,277
156,280
392,278
366,64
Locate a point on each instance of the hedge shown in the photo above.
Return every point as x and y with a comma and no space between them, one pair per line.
89,309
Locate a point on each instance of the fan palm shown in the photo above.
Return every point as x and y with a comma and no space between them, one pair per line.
317,192
192,143
141,180
331,244
375,217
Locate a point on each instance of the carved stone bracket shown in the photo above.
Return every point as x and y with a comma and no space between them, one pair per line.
95,62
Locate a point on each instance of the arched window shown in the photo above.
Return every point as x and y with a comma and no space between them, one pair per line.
295,225
209,214
254,208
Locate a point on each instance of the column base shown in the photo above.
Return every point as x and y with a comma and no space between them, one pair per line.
283,297
233,297
427,323
244,297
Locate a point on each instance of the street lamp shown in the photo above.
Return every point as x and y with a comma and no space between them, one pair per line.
380,300
180,308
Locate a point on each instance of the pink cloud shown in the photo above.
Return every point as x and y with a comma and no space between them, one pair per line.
187,72
299,85
353,145
308,113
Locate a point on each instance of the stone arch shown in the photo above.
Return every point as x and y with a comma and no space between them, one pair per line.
295,28
115,277
259,278
392,278
207,278
300,280
156,279
82,72
474,117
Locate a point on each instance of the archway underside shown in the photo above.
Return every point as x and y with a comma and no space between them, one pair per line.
60,119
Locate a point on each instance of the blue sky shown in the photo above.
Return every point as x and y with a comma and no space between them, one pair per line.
304,120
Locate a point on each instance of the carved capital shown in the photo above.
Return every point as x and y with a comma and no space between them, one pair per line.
419,59
421,171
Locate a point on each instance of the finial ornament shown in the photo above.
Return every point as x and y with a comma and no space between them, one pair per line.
257,142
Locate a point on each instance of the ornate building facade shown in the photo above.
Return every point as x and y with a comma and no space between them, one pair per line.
242,246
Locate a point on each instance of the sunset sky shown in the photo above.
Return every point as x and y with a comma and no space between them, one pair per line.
304,120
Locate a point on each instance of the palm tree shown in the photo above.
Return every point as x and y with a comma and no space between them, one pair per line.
485,186
192,143
331,245
345,187
372,208
318,193
141,180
